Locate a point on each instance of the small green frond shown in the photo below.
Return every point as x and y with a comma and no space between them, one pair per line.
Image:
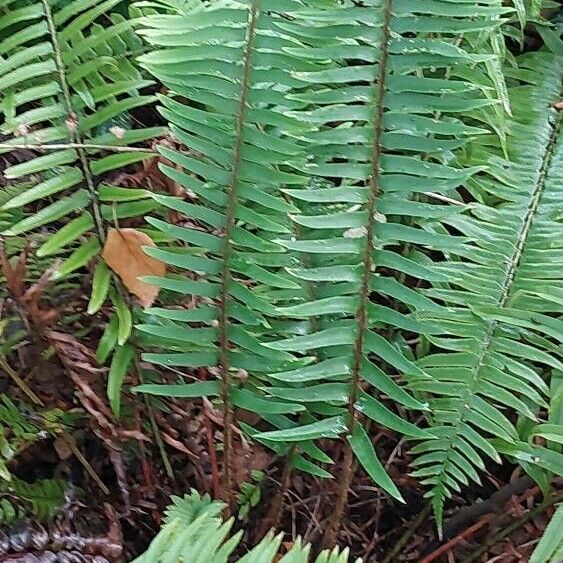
550,546
193,531
42,499
67,86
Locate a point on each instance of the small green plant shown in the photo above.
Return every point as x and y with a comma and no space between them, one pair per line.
193,531
40,500
21,426
250,493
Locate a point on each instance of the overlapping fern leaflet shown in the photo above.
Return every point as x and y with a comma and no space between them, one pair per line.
378,138
65,79
228,76
502,330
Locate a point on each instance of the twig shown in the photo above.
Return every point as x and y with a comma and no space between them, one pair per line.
63,146
495,538
274,514
215,479
469,514
494,503
154,426
391,556
69,442
19,382
460,537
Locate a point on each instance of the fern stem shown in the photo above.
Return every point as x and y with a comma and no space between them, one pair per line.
72,123
347,473
81,147
63,146
224,362
272,519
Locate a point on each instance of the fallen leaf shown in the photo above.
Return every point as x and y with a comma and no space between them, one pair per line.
123,253
62,448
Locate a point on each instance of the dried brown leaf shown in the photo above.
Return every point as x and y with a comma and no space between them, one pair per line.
123,253
62,448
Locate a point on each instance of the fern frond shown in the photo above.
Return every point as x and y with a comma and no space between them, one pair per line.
193,531
41,499
386,117
64,76
502,330
20,426
228,79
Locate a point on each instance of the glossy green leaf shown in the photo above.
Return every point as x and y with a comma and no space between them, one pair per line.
108,341
100,287
119,366
183,390
363,448
327,428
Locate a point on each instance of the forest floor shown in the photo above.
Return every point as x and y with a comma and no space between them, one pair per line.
120,478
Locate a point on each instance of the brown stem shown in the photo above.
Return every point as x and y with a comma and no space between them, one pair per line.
215,481
495,538
346,473
495,503
224,341
345,479
468,532
272,519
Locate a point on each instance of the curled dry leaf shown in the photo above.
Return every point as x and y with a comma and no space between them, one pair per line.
123,253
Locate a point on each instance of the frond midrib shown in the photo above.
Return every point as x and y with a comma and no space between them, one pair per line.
223,328
375,163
